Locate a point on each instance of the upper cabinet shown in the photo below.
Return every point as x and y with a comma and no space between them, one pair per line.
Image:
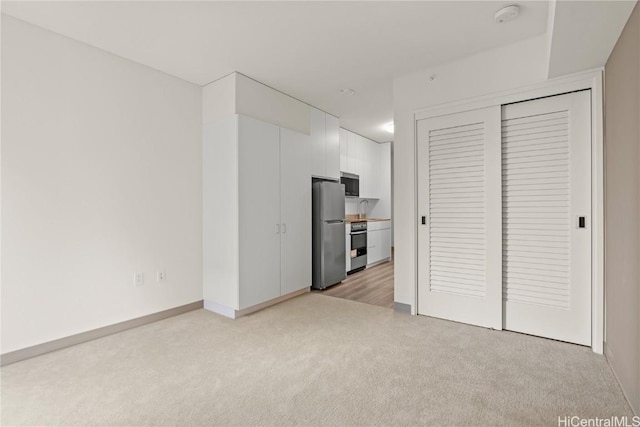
353,153
318,134
384,178
365,158
325,142
370,170
343,150
332,153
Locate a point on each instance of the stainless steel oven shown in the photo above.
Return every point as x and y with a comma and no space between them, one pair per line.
358,246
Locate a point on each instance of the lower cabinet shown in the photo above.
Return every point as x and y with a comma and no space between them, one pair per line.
256,214
378,241
347,247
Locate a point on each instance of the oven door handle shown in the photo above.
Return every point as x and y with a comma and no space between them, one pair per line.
358,232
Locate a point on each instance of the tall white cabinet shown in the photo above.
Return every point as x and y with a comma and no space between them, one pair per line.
295,212
256,214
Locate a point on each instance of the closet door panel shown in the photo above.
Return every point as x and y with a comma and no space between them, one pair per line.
546,163
459,240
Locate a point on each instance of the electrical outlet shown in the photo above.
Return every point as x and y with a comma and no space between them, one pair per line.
138,279
161,276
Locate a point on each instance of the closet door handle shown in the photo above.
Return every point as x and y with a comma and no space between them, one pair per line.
582,222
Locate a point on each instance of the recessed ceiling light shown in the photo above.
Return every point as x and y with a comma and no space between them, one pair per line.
507,13
389,127
348,92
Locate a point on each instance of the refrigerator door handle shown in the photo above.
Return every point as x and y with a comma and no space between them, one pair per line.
284,228
277,228
335,221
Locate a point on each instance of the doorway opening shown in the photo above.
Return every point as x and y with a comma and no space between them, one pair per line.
373,285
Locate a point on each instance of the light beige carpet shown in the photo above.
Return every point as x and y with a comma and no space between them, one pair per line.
314,360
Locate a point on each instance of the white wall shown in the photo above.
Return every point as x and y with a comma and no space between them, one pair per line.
221,209
582,34
101,178
622,209
500,69
374,209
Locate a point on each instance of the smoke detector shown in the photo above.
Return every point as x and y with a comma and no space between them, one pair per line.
507,13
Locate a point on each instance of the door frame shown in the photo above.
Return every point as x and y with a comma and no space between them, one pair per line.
592,80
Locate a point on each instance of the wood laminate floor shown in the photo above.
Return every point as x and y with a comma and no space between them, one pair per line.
373,285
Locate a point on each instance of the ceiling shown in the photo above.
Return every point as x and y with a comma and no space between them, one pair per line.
584,33
307,49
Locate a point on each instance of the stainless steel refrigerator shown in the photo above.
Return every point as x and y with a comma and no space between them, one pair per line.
328,234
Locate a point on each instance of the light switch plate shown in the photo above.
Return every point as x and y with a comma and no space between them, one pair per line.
138,279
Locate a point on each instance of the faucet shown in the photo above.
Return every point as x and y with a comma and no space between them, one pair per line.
360,215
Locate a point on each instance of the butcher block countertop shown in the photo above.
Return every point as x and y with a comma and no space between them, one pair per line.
354,218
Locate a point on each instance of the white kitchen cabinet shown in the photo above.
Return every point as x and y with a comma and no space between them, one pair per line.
365,168
378,241
376,171
343,150
295,211
354,143
259,211
325,144
332,152
318,134
369,169
363,157
347,247
384,177
256,214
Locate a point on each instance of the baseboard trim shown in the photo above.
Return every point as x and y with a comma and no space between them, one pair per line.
223,310
400,307
253,309
47,347
382,261
220,309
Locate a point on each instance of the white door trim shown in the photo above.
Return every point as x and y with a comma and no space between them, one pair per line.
585,80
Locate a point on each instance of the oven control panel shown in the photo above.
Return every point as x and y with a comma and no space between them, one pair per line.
359,226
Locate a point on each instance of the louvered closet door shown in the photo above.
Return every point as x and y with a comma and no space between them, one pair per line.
546,161
459,233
